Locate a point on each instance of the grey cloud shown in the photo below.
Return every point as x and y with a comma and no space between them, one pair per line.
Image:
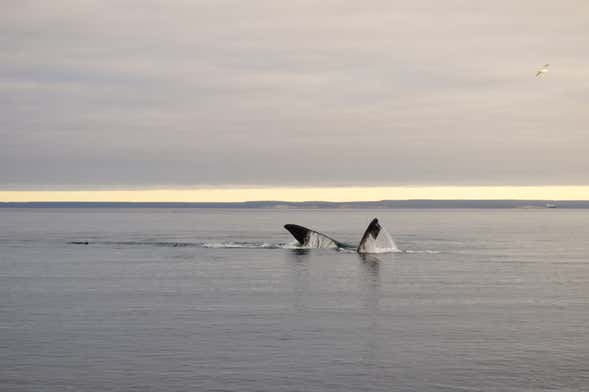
184,93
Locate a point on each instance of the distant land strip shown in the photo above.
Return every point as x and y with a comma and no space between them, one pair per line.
314,204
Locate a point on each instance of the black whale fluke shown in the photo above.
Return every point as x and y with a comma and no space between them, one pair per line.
302,235
298,232
372,230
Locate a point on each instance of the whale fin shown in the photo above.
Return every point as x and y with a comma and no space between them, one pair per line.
313,239
369,237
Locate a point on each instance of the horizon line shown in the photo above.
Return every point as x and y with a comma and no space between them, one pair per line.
300,194
306,202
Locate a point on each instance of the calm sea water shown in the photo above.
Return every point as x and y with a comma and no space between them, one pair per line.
213,300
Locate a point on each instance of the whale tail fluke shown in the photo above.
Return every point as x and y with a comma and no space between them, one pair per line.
370,234
376,240
313,239
298,232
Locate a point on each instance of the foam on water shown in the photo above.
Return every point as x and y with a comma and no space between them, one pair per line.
208,245
240,245
317,241
170,244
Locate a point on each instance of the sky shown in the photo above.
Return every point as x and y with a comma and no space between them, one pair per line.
292,96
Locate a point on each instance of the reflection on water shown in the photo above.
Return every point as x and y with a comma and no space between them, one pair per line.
299,253
298,261
370,288
370,258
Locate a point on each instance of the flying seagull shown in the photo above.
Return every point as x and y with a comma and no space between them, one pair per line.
542,70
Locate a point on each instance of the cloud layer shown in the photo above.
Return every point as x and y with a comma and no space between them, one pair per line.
188,93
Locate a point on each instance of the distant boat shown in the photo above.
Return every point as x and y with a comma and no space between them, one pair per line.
550,205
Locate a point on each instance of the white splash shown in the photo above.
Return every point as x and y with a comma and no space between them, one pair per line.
383,243
316,240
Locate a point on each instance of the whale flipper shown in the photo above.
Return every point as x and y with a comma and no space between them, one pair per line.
313,239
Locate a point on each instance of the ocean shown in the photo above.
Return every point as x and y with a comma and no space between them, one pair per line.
199,299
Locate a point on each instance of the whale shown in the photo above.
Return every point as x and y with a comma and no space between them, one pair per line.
374,240
309,238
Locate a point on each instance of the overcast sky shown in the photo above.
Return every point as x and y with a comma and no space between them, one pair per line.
110,94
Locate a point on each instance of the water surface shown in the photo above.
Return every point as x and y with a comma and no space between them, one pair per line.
217,300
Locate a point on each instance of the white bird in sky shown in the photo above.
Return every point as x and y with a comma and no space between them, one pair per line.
542,70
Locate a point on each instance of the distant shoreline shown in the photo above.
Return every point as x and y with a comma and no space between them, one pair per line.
522,204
